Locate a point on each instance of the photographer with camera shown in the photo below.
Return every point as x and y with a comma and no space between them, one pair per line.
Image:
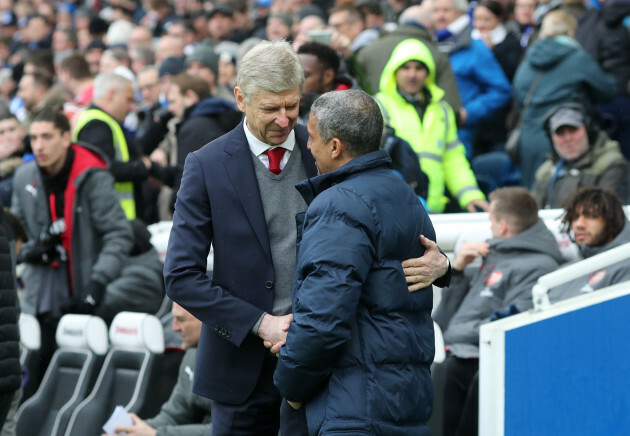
78,235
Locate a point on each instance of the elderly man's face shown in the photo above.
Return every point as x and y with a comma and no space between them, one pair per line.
444,13
570,142
270,116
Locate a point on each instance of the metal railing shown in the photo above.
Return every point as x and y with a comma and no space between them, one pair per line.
563,275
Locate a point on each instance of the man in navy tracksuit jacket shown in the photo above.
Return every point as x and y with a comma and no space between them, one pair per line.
359,348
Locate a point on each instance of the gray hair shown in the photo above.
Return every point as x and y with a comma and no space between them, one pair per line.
104,82
271,66
352,116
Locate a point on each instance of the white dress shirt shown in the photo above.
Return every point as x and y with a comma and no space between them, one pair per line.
259,148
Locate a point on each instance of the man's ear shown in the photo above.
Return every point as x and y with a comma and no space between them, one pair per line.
328,77
503,227
110,94
337,148
67,138
240,98
190,98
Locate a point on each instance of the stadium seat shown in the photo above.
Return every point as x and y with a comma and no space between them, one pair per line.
82,341
30,344
128,377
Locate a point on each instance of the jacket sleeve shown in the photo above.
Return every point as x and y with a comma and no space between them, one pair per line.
331,272
109,221
98,134
451,299
186,261
445,79
518,290
495,87
459,177
601,87
179,416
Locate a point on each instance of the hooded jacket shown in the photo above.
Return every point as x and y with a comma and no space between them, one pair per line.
602,166
100,233
360,345
507,275
374,57
611,275
604,36
567,73
434,138
10,369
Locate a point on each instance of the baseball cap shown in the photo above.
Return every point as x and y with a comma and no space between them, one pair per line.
566,117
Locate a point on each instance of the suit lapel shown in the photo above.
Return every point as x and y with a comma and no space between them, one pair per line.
240,170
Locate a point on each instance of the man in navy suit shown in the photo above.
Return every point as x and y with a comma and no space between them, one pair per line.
237,193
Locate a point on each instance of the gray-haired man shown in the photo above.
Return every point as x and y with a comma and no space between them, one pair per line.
237,193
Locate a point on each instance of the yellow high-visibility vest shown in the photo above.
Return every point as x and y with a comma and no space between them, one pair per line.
124,190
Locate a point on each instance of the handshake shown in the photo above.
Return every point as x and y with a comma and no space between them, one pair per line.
273,331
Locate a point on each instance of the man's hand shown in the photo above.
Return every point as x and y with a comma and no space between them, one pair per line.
478,204
469,252
140,428
423,271
147,162
273,331
295,404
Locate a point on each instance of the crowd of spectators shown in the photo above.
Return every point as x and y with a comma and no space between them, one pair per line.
499,64
143,84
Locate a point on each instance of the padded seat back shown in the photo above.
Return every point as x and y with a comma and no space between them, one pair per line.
128,374
82,340
30,344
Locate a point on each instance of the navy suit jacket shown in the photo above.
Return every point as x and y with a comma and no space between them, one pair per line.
219,202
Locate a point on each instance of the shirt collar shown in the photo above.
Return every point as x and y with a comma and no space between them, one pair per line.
258,147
